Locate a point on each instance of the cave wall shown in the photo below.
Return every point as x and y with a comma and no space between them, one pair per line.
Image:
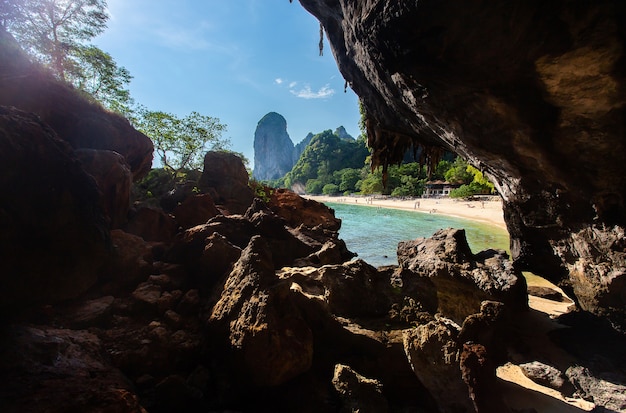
530,92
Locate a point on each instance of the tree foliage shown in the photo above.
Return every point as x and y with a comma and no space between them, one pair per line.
53,31
182,143
56,33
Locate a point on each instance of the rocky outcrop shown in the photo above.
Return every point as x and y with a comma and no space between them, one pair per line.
273,148
54,234
114,180
358,393
528,92
434,355
66,370
225,179
297,210
268,338
463,280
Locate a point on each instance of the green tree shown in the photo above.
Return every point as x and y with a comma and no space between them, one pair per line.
330,189
349,178
182,143
458,172
97,74
314,186
54,30
56,33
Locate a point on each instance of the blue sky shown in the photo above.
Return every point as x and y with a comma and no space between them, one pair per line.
235,60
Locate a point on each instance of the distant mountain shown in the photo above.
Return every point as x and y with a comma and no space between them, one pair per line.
325,154
273,148
299,148
343,134
274,152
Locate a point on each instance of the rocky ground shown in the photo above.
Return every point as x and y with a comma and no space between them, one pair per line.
196,308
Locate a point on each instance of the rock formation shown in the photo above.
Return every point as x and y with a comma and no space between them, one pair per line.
274,152
530,93
273,149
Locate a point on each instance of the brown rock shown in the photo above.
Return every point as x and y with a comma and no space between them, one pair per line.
225,178
353,289
218,258
479,373
152,224
434,356
114,179
61,370
53,233
195,210
296,210
267,337
358,393
89,313
131,262
463,280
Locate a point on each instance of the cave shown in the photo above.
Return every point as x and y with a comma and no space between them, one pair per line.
529,92
219,296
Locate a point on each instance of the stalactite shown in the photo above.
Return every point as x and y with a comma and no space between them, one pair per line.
321,40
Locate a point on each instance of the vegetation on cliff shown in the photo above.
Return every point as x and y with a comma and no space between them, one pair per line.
330,165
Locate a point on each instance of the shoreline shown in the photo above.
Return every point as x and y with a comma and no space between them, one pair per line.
489,212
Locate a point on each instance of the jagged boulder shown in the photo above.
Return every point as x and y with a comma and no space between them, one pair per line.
352,289
152,224
296,210
114,179
463,279
195,210
225,178
596,263
273,148
358,393
265,335
54,235
479,374
434,355
52,369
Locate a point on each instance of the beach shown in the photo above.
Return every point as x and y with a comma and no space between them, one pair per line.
484,211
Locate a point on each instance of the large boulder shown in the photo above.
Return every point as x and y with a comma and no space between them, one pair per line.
61,370
434,355
265,335
529,92
225,178
54,235
114,178
463,279
296,210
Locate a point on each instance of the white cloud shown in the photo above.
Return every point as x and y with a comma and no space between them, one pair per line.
292,85
278,81
307,93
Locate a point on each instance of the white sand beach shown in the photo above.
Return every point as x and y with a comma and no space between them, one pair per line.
487,211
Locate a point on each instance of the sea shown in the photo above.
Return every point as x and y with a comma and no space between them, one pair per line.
373,233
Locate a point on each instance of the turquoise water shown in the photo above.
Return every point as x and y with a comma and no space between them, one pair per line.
374,233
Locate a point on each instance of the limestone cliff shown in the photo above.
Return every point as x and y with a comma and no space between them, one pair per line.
273,149
531,92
